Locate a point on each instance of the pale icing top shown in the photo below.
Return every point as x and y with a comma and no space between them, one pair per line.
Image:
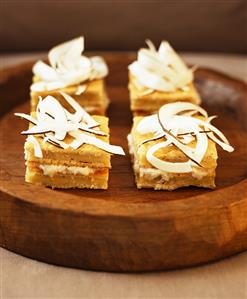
175,124
53,123
67,67
160,70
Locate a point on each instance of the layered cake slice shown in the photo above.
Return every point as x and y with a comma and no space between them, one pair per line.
73,73
65,150
159,77
175,148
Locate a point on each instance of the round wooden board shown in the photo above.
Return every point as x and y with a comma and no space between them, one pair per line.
125,229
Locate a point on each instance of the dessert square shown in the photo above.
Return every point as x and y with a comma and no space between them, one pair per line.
147,176
159,77
85,167
67,149
172,151
69,71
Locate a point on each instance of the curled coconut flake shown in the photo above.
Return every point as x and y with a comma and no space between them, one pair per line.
217,132
161,70
45,72
80,89
27,117
67,67
59,51
157,137
172,109
80,113
36,130
99,68
179,129
112,149
55,122
36,146
150,79
149,124
53,140
151,45
92,131
188,151
166,166
169,56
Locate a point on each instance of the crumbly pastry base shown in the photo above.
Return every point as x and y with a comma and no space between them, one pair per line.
171,181
94,99
68,181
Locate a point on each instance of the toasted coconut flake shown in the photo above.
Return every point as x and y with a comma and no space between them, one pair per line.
45,72
162,135
164,165
80,89
112,149
177,124
161,70
36,146
54,123
92,131
61,50
224,146
68,67
149,124
179,144
150,45
214,130
27,117
80,113
171,109
36,130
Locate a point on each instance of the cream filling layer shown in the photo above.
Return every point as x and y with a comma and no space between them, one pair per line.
153,173
51,170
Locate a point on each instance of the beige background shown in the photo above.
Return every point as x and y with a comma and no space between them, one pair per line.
23,278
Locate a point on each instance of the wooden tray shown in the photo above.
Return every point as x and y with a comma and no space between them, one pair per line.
123,229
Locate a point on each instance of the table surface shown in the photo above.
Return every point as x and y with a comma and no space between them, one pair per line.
28,279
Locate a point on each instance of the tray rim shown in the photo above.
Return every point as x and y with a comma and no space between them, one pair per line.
138,219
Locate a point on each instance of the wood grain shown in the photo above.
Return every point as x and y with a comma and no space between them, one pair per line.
125,229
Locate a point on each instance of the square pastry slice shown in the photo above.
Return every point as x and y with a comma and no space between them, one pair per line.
175,148
65,150
84,167
159,77
73,73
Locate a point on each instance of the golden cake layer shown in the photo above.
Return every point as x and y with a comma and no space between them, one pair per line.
67,177
143,102
94,99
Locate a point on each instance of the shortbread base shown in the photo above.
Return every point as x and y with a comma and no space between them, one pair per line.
68,181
